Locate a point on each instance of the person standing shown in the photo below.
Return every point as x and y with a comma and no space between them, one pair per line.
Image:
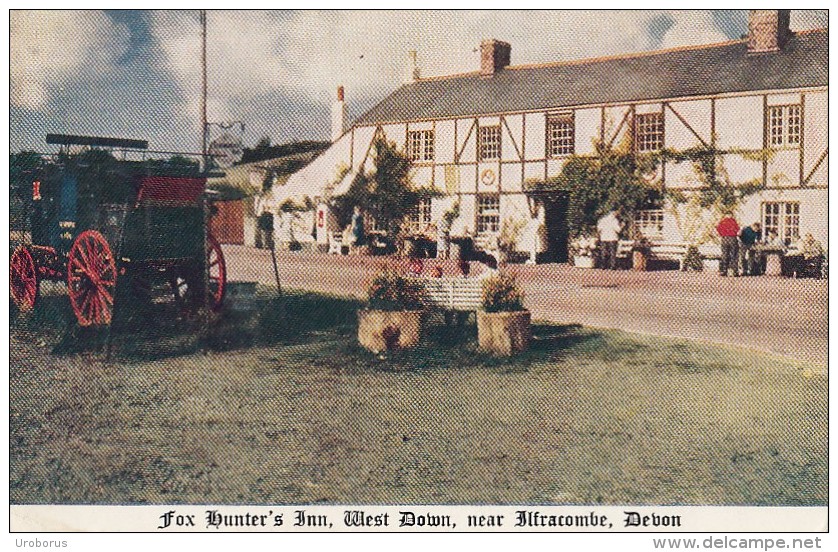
728,230
609,234
748,238
359,237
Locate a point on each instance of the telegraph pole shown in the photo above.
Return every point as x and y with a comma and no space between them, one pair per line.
204,88
205,264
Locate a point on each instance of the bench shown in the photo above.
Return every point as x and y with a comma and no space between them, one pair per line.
670,251
452,294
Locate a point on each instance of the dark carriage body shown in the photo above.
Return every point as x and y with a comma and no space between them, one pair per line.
96,220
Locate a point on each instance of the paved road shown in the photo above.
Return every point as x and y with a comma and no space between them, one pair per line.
779,315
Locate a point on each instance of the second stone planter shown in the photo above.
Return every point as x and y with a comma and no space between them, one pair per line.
503,333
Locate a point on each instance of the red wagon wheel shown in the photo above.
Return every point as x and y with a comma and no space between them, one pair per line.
91,279
23,279
217,272
184,279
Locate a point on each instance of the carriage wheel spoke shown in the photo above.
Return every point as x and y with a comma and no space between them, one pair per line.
91,279
23,279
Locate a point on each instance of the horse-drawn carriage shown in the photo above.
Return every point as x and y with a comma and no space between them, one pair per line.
98,222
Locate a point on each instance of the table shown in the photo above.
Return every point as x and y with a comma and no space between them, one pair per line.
773,255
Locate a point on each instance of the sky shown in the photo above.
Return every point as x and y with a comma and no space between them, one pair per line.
136,74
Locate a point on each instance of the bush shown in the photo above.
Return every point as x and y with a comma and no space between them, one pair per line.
392,292
501,294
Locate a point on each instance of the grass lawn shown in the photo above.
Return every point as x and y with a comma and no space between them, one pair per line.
280,405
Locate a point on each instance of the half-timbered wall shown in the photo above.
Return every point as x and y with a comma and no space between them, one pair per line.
737,124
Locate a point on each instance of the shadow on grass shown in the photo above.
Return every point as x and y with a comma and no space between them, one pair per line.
311,328
442,347
153,330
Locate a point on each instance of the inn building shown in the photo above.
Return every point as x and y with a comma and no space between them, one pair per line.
480,138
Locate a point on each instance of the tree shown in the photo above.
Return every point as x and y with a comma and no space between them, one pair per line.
717,192
386,192
716,195
612,180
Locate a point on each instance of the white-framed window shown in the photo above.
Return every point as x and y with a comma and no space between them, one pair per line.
419,217
648,131
782,217
488,140
784,125
649,223
488,214
560,134
420,145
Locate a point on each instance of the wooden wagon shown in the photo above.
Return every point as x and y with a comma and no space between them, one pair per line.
96,221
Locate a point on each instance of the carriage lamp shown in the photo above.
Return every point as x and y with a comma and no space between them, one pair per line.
36,191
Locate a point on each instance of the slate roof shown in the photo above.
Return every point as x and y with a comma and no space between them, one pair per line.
677,73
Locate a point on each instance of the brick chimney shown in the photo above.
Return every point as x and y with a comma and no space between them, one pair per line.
338,115
768,30
494,56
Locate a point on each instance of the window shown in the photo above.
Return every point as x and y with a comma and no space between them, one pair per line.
489,142
648,131
419,217
420,145
488,214
649,223
783,218
560,138
784,122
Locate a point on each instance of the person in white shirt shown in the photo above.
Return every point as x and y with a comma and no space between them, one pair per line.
609,234
490,268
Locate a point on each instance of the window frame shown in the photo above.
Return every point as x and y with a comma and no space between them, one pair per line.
557,145
649,137
487,223
784,124
421,146
646,218
419,216
786,220
483,145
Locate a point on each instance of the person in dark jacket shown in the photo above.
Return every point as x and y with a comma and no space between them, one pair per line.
748,238
728,230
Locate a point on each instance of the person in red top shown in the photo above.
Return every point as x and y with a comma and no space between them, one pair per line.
728,230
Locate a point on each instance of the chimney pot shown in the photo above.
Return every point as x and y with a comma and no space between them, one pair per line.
412,73
494,56
768,30
338,115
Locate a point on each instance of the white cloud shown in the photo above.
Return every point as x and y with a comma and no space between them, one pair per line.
312,52
48,48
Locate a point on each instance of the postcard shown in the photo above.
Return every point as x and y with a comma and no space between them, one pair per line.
419,271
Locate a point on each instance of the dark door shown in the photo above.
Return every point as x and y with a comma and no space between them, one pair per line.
555,222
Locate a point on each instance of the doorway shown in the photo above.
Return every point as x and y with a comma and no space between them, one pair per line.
555,222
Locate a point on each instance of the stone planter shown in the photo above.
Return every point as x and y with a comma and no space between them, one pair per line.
388,330
503,333
583,261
